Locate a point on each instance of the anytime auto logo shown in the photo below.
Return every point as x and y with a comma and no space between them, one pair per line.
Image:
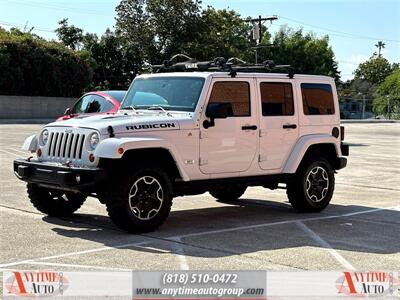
30,283
367,284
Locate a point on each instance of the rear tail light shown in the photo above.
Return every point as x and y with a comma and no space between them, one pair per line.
335,132
342,133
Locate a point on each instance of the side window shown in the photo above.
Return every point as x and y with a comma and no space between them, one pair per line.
276,99
81,106
235,92
99,104
317,99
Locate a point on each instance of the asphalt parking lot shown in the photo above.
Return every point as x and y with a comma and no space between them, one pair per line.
359,230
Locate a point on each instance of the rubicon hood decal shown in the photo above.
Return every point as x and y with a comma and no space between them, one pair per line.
152,126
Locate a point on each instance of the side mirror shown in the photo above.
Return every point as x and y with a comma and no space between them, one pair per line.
67,111
217,111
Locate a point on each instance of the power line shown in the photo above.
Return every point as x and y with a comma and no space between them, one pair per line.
24,25
344,34
57,7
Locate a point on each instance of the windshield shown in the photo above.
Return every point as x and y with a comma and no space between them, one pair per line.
117,95
169,93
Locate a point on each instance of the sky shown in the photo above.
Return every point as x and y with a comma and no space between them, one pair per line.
353,26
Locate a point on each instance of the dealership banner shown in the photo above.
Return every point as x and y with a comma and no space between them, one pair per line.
74,285
149,285
200,285
332,285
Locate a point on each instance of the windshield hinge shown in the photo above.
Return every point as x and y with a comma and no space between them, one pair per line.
203,134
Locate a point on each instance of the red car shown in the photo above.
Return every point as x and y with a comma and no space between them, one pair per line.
95,102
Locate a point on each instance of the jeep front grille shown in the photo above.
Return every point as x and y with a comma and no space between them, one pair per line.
65,145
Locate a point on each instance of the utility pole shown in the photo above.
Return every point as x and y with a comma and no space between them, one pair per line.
257,30
363,108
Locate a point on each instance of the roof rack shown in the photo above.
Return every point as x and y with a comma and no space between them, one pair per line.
219,64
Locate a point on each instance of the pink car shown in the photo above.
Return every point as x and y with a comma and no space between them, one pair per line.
97,102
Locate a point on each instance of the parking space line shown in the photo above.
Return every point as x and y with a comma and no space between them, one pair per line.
19,151
76,266
369,186
324,244
72,254
279,223
5,151
178,248
19,211
178,238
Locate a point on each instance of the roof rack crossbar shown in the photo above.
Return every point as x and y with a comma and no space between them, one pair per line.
219,64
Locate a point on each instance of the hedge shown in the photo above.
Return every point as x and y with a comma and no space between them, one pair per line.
34,67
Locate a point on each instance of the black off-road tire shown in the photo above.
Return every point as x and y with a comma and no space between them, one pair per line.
116,198
228,193
321,176
54,203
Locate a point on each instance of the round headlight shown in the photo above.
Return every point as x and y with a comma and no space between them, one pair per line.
94,140
44,137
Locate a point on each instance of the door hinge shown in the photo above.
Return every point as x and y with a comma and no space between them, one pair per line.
262,133
262,158
203,161
203,134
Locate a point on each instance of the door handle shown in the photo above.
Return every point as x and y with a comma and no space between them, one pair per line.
249,127
289,126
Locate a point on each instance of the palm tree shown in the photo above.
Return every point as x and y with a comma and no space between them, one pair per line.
380,45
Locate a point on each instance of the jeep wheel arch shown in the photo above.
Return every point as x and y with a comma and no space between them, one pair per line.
326,151
320,143
144,146
159,156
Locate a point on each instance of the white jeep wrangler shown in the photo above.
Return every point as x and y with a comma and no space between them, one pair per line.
218,128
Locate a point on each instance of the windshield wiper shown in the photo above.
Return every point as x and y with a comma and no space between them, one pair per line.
159,107
130,107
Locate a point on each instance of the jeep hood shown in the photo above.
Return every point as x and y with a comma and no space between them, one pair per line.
130,122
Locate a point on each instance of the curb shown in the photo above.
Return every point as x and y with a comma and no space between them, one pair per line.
369,121
26,121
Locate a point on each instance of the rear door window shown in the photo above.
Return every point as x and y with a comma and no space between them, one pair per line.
276,99
317,99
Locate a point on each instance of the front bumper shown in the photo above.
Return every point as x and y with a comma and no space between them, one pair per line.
59,177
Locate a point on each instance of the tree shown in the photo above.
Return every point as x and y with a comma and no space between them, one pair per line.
158,29
380,45
70,35
224,32
387,96
305,52
116,62
374,70
35,67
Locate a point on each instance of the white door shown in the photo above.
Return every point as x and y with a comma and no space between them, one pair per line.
230,145
279,128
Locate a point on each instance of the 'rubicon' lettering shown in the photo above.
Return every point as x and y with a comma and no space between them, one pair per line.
150,126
